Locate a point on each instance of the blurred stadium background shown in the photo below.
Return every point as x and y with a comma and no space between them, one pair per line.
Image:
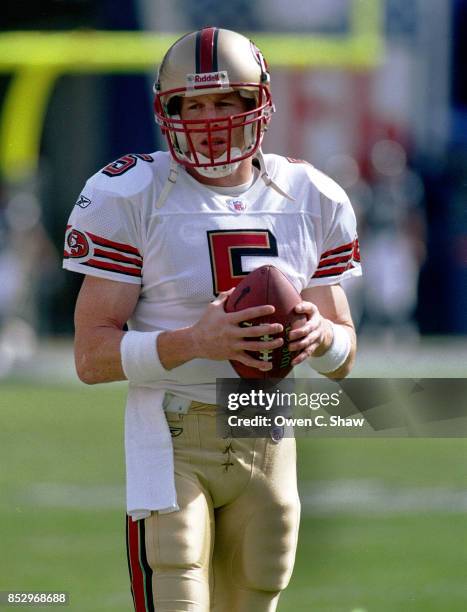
374,93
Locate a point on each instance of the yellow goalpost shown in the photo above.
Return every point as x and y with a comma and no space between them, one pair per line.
37,59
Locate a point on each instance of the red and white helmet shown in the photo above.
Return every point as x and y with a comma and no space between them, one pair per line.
213,60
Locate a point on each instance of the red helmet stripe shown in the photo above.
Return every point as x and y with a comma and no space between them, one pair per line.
205,50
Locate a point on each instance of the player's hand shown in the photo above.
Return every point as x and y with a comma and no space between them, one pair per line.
218,335
312,338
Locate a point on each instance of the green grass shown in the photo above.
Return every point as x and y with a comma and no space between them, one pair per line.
380,564
63,436
61,441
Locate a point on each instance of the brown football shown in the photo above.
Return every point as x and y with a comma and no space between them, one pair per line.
268,285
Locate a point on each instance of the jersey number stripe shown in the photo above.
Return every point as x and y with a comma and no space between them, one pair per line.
226,248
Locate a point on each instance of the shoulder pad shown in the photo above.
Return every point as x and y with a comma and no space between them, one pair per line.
324,183
127,175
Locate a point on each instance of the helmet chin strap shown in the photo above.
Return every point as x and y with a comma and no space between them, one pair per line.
174,170
226,169
218,171
267,179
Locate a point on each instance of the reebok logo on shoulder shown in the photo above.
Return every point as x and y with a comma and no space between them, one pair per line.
83,201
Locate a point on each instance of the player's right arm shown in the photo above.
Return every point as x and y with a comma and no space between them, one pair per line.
103,307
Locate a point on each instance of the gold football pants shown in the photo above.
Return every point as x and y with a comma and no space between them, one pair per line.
231,546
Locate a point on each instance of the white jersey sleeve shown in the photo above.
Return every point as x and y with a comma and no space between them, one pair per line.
339,253
103,236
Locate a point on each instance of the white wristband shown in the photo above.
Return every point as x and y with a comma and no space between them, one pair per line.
336,354
140,359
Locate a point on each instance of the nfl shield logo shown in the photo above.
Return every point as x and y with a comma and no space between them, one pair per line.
237,205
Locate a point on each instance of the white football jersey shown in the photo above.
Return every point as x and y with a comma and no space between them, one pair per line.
200,243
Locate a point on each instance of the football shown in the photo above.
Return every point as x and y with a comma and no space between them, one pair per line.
268,285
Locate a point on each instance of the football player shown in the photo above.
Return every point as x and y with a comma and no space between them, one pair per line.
162,238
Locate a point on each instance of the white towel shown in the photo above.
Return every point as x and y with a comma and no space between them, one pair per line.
150,480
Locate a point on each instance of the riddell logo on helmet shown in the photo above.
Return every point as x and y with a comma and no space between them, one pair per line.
210,76
206,78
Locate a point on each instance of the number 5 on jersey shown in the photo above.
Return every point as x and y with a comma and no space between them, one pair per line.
226,249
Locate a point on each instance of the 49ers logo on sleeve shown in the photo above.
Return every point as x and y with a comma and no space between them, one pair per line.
77,243
102,253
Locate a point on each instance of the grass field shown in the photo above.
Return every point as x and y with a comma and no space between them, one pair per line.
384,524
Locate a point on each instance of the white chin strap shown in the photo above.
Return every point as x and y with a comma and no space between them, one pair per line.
267,179
174,170
221,170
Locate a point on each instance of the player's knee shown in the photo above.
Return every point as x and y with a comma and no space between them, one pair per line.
272,543
178,551
172,541
272,575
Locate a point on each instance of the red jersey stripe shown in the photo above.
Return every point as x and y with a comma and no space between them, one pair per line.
104,265
335,260
117,257
337,250
145,567
332,271
119,246
130,573
136,573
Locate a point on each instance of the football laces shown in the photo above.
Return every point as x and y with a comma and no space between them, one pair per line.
266,354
